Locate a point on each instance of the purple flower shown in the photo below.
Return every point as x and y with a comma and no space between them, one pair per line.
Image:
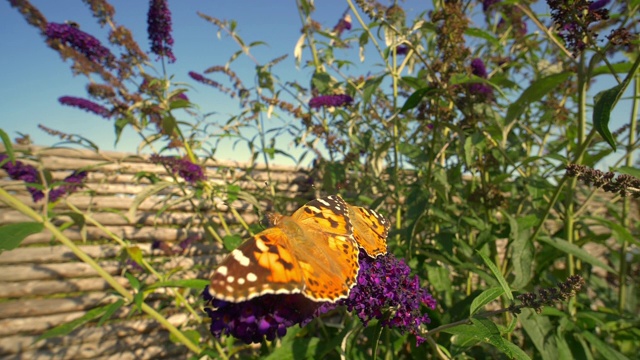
480,90
343,24
597,5
81,41
159,29
23,172
201,79
486,4
71,184
330,100
385,291
402,50
386,283
86,105
575,20
267,316
478,68
187,170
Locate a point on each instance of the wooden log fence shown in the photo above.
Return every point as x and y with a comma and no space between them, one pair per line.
43,284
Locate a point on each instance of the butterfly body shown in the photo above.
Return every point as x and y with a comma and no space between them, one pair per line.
311,252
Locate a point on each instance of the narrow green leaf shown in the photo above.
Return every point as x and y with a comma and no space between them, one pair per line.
370,87
603,348
539,329
606,100
415,99
484,298
8,147
565,246
604,103
197,284
143,195
11,235
65,329
491,334
628,170
533,93
110,310
135,283
622,234
497,274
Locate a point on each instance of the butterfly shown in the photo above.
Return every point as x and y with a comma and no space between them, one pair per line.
311,252
370,230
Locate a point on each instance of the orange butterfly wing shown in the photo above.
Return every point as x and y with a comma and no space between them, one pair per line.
370,230
327,253
311,252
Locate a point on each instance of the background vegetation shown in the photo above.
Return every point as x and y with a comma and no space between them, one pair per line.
461,135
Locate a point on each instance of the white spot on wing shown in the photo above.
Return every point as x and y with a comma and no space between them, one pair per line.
230,279
323,202
251,277
240,281
261,245
240,258
222,270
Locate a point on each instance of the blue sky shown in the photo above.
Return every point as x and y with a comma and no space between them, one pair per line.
34,76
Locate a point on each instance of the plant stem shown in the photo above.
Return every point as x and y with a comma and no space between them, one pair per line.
23,208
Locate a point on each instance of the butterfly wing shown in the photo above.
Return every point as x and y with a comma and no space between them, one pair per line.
370,230
261,265
324,248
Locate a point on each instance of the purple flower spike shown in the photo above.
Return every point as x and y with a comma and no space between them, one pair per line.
385,291
187,170
71,184
386,283
267,316
330,100
23,172
159,29
343,24
86,105
81,41
478,68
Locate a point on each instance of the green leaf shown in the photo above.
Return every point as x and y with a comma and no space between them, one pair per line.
370,86
196,284
622,234
135,254
497,274
606,100
135,283
110,310
11,235
533,93
628,170
603,348
484,298
604,103
143,195
8,147
295,347
231,242
567,247
65,329
479,33
539,329
491,334
523,247
415,98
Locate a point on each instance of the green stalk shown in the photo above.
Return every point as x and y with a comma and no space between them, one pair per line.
17,205
626,207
